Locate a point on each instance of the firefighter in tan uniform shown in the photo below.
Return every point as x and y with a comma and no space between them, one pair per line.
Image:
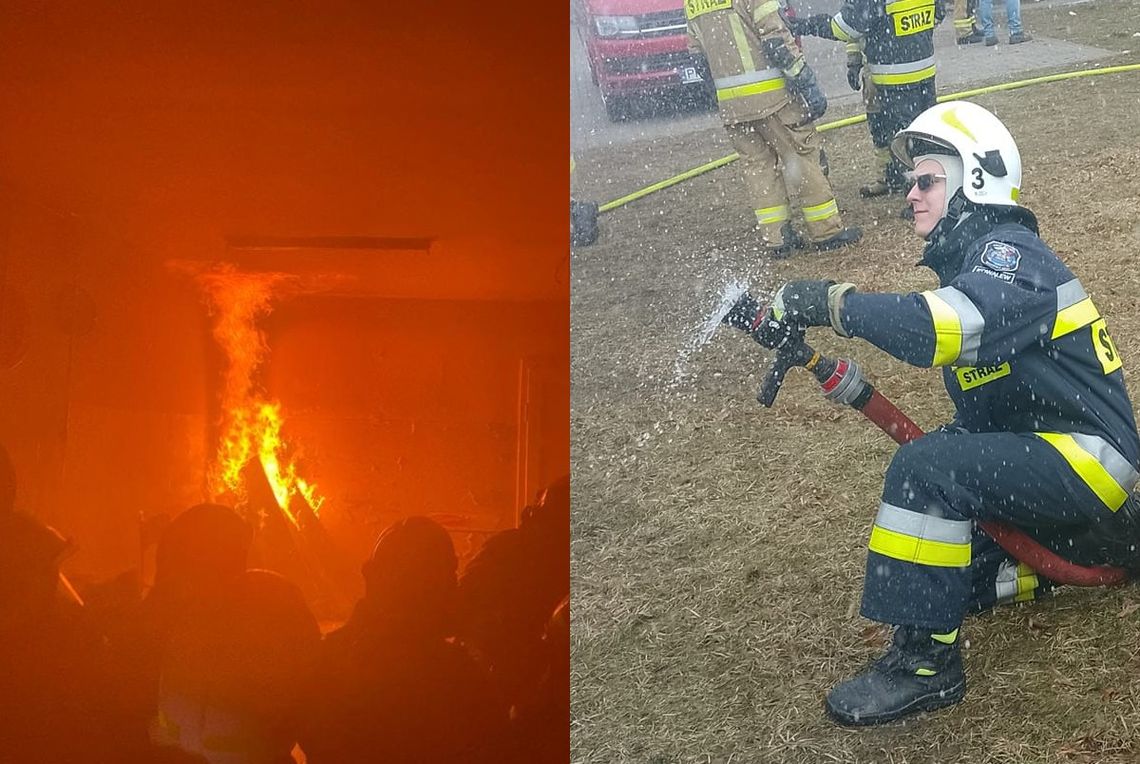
768,98
965,22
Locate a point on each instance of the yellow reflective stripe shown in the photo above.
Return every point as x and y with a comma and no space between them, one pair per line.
772,214
900,546
901,6
839,32
947,639
742,46
821,211
1095,476
1075,317
924,672
947,330
765,9
1026,583
902,79
740,91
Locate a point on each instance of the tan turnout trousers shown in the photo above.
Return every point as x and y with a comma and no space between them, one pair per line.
776,157
964,18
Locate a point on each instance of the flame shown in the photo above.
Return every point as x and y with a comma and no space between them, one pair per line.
251,423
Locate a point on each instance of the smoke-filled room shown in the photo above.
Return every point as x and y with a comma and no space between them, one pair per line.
284,360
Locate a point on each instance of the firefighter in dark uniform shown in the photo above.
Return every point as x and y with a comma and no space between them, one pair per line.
1043,438
768,99
898,44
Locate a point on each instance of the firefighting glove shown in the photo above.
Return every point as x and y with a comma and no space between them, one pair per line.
812,303
798,75
805,84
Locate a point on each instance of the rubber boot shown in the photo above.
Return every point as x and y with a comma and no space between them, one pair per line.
844,238
920,672
974,36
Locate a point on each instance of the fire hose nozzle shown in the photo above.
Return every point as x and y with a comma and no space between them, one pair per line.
749,315
743,313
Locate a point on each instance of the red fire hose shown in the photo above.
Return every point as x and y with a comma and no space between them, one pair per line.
843,382
1023,547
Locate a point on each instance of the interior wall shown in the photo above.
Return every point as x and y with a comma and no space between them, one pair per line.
411,407
106,409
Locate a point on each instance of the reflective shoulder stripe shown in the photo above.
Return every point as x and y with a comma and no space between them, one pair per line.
842,30
958,326
765,9
921,539
1107,474
742,46
1075,309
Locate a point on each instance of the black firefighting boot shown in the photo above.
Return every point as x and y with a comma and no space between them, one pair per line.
844,238
871,190
920,672
790,241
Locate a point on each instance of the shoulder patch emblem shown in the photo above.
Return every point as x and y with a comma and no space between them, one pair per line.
1001,256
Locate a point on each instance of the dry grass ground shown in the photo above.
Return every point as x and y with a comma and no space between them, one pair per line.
718,547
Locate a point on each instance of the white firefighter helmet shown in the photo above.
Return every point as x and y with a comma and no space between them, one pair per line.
991,162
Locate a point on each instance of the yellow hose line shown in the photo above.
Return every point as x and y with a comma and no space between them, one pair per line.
863,118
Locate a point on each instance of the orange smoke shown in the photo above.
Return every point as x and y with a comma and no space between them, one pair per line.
251,424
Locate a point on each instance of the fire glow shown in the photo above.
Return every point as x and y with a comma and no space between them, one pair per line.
251,423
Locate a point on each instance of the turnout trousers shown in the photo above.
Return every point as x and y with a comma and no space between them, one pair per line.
964,19
778,154
928,563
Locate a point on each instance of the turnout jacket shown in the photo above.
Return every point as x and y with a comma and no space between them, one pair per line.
1022,346
731,34
897,36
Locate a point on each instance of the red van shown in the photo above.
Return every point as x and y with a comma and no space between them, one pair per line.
640,48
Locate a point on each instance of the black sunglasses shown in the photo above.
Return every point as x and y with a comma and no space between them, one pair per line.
925,181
